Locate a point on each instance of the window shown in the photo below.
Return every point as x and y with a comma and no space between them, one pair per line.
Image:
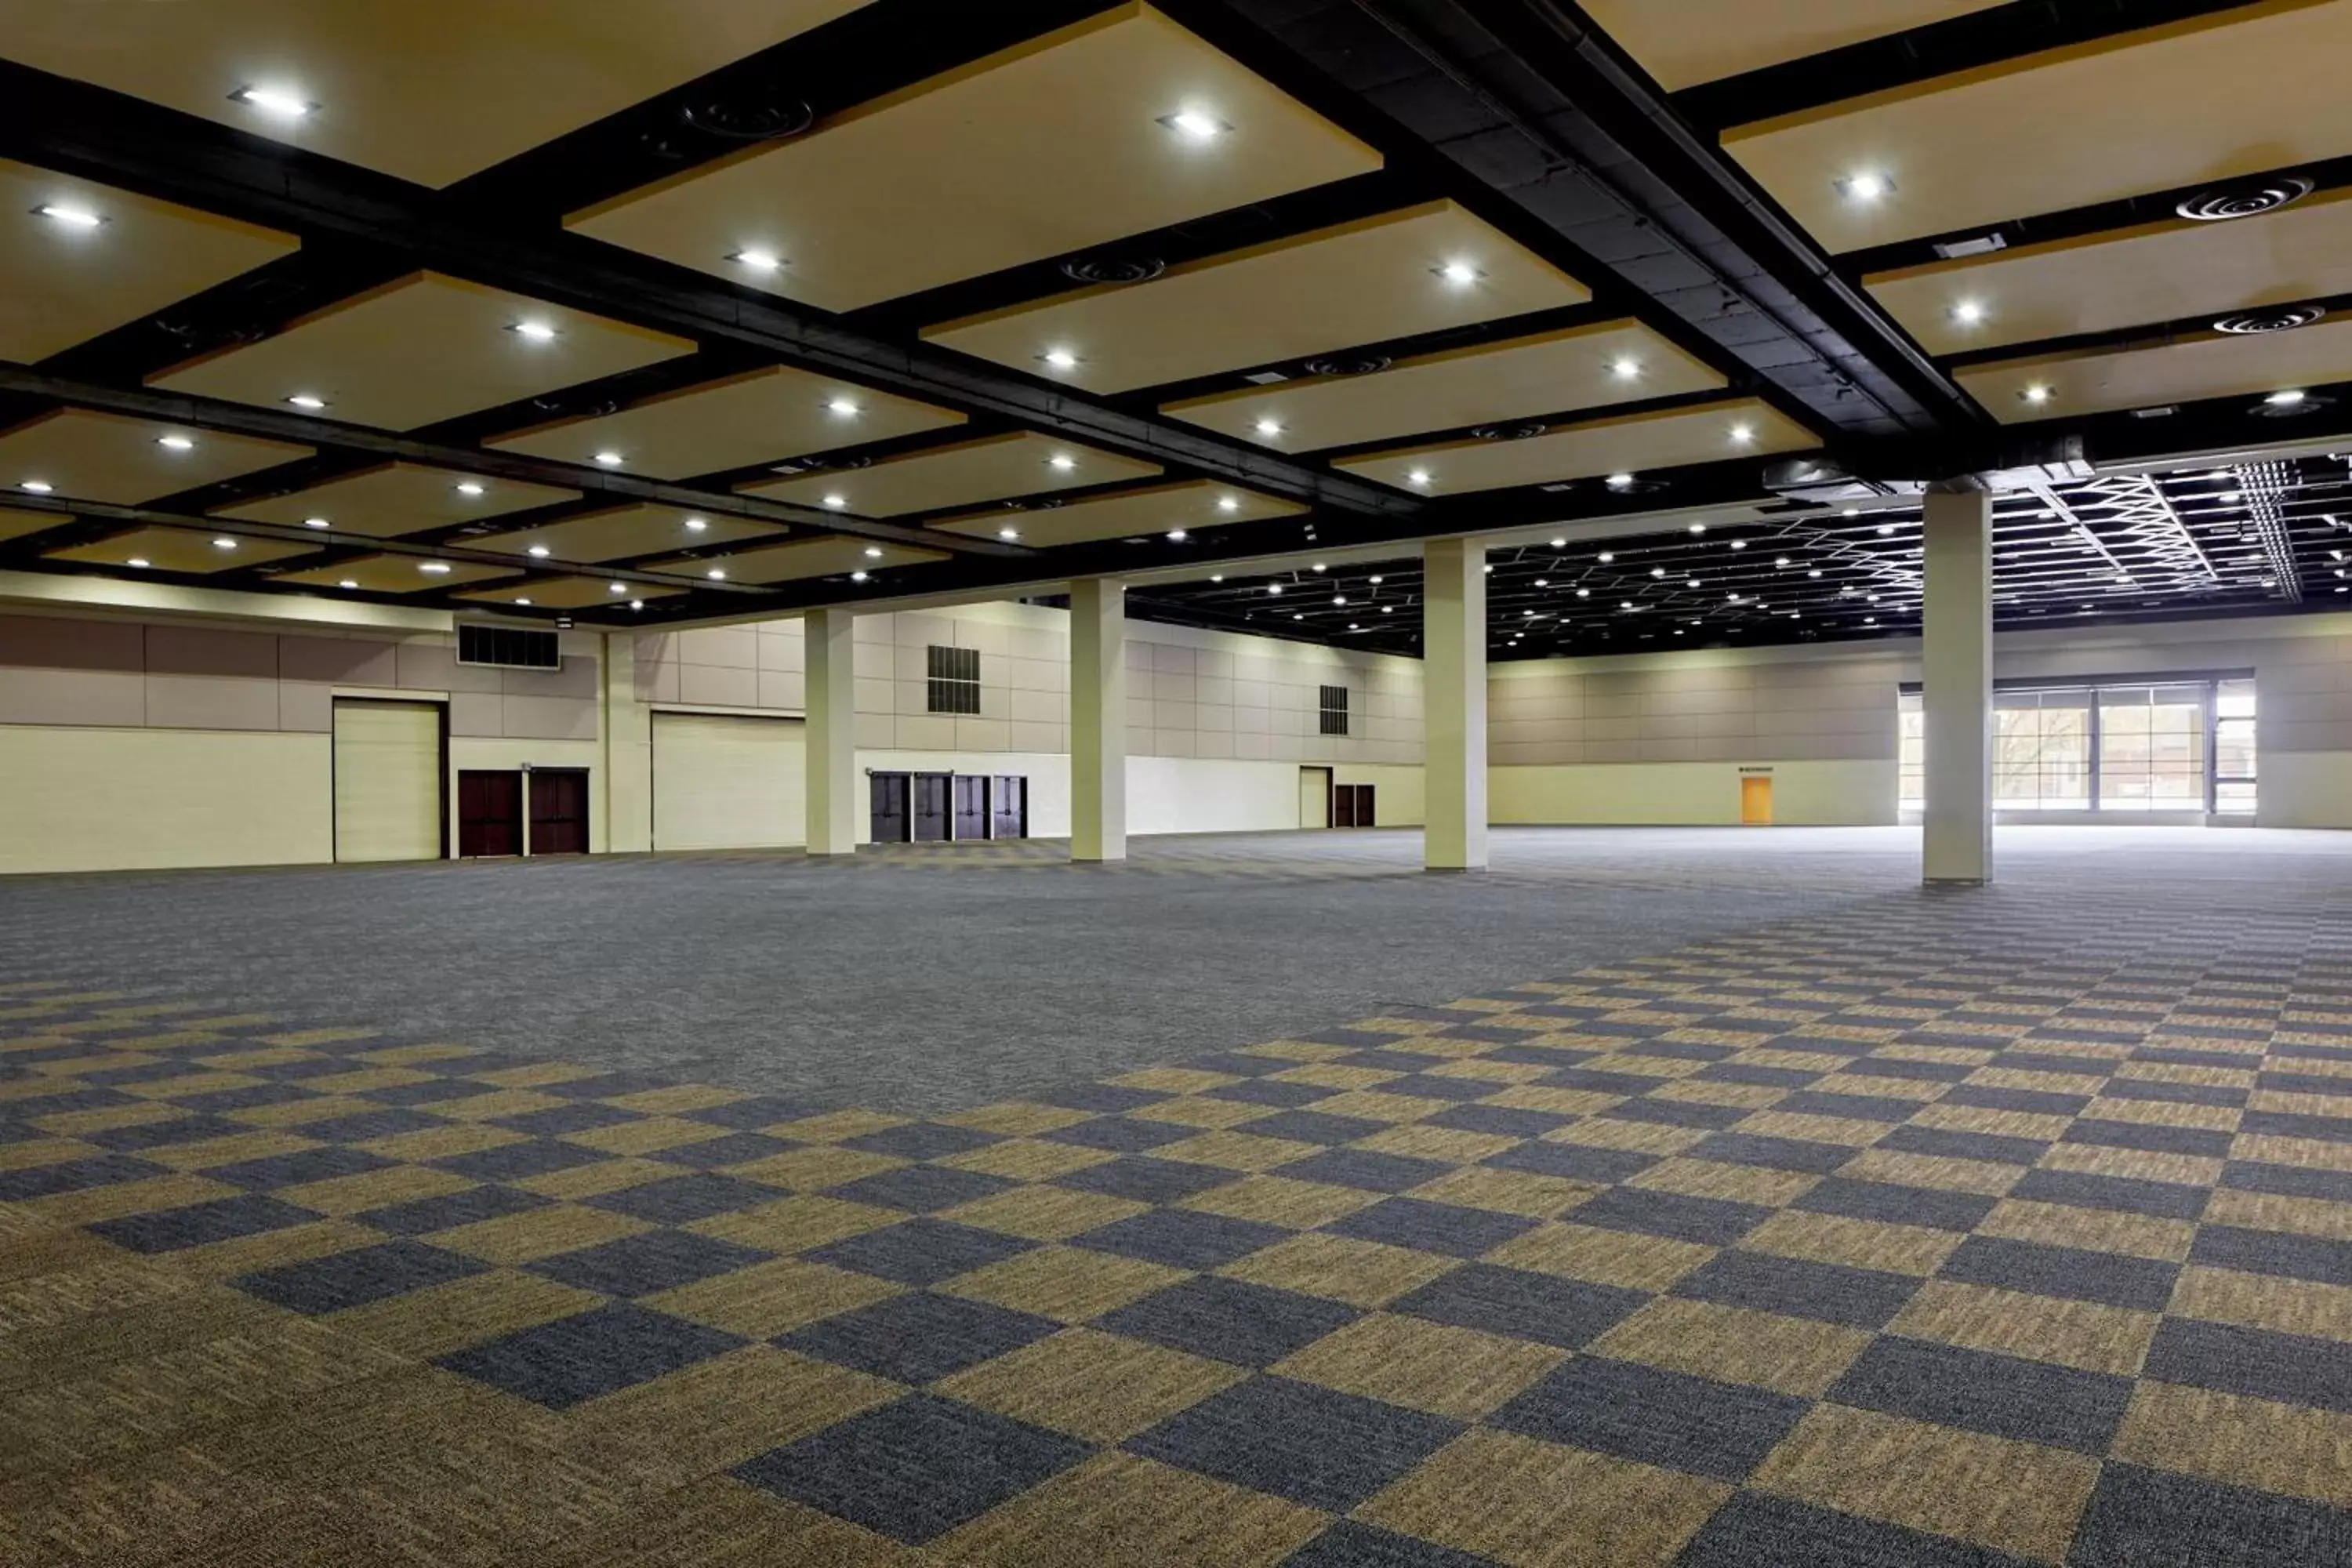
1912,755
2123,747
2233,746
1335,711
2152,748
954,680
2042,750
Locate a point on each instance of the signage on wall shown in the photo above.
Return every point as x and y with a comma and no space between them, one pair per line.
1765,771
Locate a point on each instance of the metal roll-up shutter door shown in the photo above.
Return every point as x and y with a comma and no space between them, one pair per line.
388,782
722,781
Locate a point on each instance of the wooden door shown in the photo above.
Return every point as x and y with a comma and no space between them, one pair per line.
559,811
1356,810
932,806
490,814
971,806
1756,802
889,793
1009,806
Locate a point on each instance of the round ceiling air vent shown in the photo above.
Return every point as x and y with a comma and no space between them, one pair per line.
1114,269
2276,319
749,120
1510,432
2249,199
1348,364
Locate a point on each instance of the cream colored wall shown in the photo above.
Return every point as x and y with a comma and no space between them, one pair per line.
1804,794
95,799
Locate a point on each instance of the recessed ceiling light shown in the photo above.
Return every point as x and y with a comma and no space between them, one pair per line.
433,568
317,523
1419,476
1699,528
277,100
1619,481
844,406
874,553
1216,576
717,575
308,402
1229,503
1969,312
523,601
1625,369
1460,273
1388,609
71,217
1275,589
1008,533
1377,581
141,561
1866,187
1559,545
1584,593
616,587
758,260
1322,566
345,583
2037,392
37,487
1742,434
471,488
1739,544
836,500
1885,528
1177,536
1657,570
539,552
857,576
224,543
1062,462
1339,599
1060,359
2286,399
537,331
1814,572
1606,557
1269,427
1195,126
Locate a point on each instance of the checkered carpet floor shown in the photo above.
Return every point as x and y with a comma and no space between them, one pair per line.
1867,1240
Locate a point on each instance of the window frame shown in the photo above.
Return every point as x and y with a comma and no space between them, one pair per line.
948,689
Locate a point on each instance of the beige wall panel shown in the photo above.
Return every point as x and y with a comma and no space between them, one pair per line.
53,643
2208,364
1361,282
53,696
69,282
1585,367
421,350
2169,271
103,800
211,702
2306,789
388,784
966,474
723,782
107,458
429,97
2144,111
1050,147
1684,42
1739,428
1804,794
761,417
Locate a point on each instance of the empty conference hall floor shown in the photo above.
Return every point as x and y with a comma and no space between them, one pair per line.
1659,1196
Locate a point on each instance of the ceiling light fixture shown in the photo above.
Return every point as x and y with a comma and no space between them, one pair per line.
1321,566
717,575
1269,427
36,486
844,406
636,603
1177,536
874,553
616,587
1741,435
1061,462
1968,313
537,331
2038,393
2286,399
471,488
1008,533
176,443
1739,544
695,525
539,552
71,217
857,576
758,260
1699,528
1229,503
317,523
276,101
1459,273
1619,481
1866,187
1273,589
1195,126
141,561
1216,576
224,543
608,459
345,582
1060,359
836,500
308,402
433,568
1419,476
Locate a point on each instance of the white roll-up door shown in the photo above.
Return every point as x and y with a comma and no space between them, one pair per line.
387,780
726,783
1315,797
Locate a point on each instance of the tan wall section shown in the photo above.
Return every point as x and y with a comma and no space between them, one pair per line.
92,799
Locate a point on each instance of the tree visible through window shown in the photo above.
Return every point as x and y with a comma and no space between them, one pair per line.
2123,747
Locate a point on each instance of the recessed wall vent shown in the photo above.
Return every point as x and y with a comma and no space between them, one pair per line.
508,648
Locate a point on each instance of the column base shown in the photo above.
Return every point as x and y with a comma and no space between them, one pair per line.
1957,881
1451,871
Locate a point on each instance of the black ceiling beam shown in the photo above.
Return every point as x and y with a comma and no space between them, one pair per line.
77,129
269,424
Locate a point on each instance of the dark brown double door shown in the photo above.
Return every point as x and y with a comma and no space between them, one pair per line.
490,812
1351,805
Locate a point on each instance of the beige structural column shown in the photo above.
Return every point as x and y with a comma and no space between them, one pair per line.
1098,719
830,700
627,730
1956,656
1454,700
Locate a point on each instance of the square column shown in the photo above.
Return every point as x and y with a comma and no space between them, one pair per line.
1956,656
831,701
1098,719
1454,703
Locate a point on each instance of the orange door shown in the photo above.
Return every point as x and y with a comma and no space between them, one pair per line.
1756,803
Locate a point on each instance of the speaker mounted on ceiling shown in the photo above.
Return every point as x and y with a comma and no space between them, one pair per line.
1510,432
2245,198
1348,364
1113,269
2275,318
749,118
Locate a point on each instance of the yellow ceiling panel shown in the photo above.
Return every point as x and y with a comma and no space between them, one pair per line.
627,531
2202,364
966,474
392,574
109,457
1068,141
2127,277
1684,42
802,558
763,415
2196,102
179,550
572,593
1424,269
1159,510
430,95
78,258
1634,444
15,524
401,498
421,350
1584,367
